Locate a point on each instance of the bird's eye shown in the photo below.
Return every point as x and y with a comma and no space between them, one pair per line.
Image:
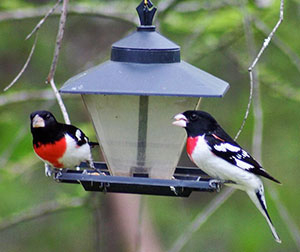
193,117
47,116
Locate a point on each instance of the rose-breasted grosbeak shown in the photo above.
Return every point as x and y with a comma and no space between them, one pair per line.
217,154
59,145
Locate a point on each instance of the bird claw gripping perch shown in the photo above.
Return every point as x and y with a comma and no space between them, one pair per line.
48,170
92,165
173,189
216,183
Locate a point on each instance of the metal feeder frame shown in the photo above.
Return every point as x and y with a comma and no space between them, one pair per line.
142,52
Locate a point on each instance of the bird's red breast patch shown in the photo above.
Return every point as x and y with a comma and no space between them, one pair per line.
52,152
191,144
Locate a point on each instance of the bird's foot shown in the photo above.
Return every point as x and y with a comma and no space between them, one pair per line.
216,183
174,190
48,170
96,170
60,172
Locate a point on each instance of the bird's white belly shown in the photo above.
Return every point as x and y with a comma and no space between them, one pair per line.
75,154
221,169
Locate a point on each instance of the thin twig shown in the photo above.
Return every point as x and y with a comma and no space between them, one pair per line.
200,219
25,65
40,23
41,211
250,69
257,135
268,39
251,51
60,34
50,78
254,86
60,102
295,59
247,109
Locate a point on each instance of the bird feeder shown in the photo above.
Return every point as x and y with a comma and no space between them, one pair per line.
132,99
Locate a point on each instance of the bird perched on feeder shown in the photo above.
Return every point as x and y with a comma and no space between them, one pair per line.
217,154
59,145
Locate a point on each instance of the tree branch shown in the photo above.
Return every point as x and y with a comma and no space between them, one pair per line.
40,23
36,28
117,13
60,102
254,87
258,124
25,96
252,74
200,219
60,34
279,43
25,65
268,39
50,78
41,211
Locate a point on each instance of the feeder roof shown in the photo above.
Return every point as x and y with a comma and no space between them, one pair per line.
173,79
146,63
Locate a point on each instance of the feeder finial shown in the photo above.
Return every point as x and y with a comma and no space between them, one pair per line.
146,12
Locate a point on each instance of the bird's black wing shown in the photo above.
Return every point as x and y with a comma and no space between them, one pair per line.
223,146
76,134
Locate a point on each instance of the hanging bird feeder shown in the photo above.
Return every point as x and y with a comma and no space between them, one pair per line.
131,100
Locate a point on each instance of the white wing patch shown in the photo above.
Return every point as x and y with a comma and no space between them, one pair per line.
245,154
242,164
234,153
224,147
78,134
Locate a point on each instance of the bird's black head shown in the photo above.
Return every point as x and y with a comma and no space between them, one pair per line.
196,122
42,120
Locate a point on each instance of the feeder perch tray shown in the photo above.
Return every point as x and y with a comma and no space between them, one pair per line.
186,180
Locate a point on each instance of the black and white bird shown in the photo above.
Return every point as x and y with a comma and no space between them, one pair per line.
218,155
59,145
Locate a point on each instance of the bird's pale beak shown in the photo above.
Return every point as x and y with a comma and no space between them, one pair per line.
38,122
180,120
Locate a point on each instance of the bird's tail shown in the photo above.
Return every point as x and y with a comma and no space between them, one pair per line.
258,199
93,144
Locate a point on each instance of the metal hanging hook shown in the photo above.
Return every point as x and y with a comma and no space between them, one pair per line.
146,2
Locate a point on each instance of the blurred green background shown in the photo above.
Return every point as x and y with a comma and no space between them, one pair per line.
212,37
